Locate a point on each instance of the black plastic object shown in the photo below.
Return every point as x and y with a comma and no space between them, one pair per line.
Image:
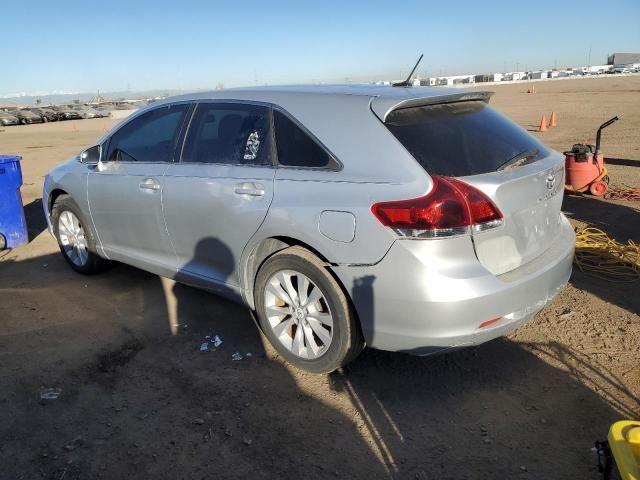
605,459
407,82
603,126
581,152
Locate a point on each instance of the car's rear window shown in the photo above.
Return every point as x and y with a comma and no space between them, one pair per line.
463,138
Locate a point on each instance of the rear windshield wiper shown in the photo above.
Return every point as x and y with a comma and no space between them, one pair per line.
520,159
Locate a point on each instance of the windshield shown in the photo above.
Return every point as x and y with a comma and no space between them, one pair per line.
463,138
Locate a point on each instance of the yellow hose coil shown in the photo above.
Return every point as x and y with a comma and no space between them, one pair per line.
603,257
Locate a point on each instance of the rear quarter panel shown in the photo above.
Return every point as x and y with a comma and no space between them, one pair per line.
375,167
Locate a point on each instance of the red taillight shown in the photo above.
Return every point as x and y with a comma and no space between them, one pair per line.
450,208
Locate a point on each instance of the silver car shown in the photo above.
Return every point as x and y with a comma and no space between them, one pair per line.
405,219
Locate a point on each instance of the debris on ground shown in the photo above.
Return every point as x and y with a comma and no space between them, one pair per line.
567,314
632,194
236,356
214,340
50,393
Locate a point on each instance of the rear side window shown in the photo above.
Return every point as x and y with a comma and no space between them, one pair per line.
295,147
151,137
229,134
464,138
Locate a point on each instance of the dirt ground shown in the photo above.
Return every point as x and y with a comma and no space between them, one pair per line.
139,399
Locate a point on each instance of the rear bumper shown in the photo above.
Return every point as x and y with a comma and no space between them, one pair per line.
429,296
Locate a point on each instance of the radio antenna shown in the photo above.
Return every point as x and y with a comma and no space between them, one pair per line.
407,82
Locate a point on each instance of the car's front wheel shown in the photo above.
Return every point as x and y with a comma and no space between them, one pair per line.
75,239
304,313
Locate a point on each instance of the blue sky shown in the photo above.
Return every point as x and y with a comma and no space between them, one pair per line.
78,46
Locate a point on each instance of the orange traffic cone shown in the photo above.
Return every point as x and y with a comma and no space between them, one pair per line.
543,124
552,120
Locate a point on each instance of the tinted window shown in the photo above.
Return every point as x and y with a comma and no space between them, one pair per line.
229,133
151,137
465,138
295,147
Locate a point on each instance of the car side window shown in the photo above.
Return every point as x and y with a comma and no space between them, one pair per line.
227,133
295,147
151,137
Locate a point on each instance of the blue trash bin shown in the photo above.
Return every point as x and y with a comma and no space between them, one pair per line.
13,226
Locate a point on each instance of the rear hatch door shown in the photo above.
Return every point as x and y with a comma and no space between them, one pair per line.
530,198
469,140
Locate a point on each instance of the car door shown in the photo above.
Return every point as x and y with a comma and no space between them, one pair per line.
217,196
125,189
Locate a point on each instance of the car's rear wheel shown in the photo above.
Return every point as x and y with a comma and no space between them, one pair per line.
304,313
75,239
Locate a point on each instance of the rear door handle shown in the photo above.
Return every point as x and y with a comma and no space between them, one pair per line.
250,188
149,184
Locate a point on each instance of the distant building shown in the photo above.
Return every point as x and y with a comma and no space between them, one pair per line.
596,69
515,76
425,82
488,77
623,58
539,74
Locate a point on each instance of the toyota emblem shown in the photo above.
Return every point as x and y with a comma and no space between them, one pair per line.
551,179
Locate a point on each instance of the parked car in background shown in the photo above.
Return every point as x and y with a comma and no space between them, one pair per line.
103,111
125,106
27,117
47,114
621,69
8,119
66,113
86,111
408,219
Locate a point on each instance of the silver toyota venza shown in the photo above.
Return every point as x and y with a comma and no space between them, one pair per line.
407,219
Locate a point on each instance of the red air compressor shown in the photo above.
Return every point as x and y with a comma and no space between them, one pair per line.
584,166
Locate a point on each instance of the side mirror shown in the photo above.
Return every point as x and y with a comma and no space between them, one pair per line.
91,156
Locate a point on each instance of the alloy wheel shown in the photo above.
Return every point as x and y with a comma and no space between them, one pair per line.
298,314
72,238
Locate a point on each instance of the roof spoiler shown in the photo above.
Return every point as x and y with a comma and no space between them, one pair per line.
383,106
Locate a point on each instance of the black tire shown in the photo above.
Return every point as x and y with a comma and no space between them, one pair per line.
347,341
94,263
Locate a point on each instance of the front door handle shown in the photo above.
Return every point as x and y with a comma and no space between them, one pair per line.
149,184
250,188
